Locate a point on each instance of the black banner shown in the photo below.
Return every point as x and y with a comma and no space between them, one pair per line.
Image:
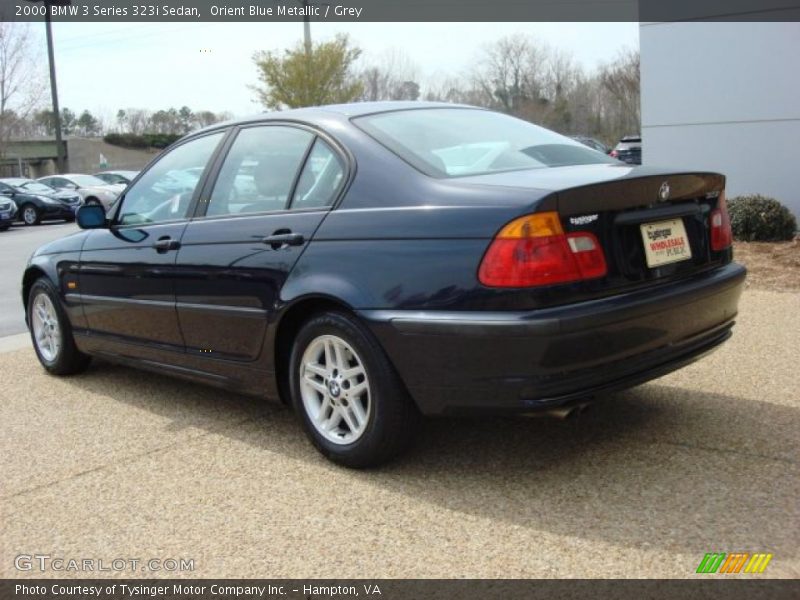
713,586
401,10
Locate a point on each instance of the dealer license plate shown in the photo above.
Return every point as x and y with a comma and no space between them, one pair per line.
665,242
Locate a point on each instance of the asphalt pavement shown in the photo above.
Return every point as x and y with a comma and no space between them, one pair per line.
118,464
16,246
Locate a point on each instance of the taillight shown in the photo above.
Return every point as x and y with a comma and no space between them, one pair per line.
534,250
613,154
720,223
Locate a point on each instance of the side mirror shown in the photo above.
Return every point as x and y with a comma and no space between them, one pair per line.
70,186
91,216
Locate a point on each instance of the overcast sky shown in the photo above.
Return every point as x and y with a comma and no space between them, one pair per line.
106,66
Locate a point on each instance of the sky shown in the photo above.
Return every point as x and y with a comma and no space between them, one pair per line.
103,67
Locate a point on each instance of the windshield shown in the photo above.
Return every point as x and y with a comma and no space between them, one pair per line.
87,180
450,142
37,186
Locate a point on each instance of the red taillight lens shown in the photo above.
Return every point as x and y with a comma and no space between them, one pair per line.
533,251
613,154
720,223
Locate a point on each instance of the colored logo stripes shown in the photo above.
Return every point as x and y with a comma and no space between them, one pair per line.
737,562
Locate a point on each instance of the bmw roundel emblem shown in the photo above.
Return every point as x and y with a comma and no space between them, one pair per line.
663,192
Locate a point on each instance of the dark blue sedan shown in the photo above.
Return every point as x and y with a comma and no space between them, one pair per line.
371,263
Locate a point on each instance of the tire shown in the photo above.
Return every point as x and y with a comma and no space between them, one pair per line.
57,351
30,215
383,415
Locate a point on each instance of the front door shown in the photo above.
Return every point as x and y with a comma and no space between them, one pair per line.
126,279
274,187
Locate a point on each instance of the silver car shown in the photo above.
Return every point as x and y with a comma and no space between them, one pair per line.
91,189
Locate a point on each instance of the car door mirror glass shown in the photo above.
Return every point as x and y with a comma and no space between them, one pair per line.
91,216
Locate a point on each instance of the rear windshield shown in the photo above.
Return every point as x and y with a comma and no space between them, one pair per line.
453,142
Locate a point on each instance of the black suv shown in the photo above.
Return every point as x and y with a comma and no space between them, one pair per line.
629,150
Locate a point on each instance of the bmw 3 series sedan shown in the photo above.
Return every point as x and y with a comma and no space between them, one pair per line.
372,263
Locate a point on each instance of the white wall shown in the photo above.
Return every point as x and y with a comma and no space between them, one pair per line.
725,97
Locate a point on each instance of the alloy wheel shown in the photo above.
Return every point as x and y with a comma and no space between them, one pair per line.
335,389
29,215
46,330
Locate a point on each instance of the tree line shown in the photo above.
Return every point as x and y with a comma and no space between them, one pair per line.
517,75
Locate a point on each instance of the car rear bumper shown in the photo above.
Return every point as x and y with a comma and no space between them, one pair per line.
522,362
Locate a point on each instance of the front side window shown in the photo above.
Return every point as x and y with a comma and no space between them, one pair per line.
165,191
259,170
452,142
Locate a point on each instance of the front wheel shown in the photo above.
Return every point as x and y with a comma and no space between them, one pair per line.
351,402
30,215
51,331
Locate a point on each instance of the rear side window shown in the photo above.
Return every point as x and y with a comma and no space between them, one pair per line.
322,175
452,142
259,171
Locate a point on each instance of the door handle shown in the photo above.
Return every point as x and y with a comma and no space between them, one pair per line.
283,237
165,244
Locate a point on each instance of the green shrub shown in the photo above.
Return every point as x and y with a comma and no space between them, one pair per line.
757,218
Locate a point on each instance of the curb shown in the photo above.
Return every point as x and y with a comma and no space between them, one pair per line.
10,343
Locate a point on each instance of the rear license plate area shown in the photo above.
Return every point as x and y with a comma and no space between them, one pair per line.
665,242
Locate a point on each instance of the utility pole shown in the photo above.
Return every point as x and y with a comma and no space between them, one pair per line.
306,29
54,92
53,87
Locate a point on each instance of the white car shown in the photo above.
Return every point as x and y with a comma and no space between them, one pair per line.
91,189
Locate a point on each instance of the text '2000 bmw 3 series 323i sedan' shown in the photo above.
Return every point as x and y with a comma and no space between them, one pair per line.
372,263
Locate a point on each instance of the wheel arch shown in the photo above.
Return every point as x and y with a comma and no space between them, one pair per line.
29,277
291,319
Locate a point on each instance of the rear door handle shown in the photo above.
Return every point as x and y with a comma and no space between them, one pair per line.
166,244
284,238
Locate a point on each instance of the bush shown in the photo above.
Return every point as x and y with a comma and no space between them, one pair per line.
147,140
758,218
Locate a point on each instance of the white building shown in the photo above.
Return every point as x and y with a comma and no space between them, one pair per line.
725,97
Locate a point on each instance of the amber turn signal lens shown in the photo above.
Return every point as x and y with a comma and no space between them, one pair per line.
536,225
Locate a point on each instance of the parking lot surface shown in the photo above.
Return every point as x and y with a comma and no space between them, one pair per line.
120,464
16,246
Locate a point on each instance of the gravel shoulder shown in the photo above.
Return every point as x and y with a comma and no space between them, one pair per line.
117,463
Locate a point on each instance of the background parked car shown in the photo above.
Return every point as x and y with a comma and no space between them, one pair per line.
592,143
629,150
117,177
36,201
91,189
8,212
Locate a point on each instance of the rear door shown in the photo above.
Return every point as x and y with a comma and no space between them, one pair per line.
270,193
126,282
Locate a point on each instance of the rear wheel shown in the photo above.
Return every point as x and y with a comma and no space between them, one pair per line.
30,215
51,331
351,402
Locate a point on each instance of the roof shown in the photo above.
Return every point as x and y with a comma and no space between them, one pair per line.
345,111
